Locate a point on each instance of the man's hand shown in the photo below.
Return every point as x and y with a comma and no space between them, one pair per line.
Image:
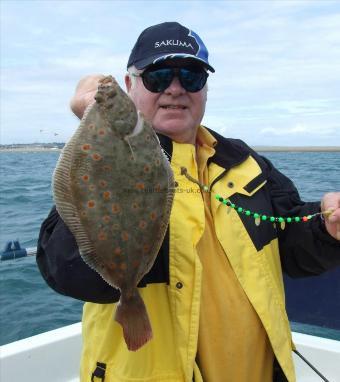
84,94
331,202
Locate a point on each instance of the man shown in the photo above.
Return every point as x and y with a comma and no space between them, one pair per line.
215,293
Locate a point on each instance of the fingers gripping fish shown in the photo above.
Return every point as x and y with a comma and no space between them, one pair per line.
113,187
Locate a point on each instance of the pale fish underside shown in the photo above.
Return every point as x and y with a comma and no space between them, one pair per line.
113,187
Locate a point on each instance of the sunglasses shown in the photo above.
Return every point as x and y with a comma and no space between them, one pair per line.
156,80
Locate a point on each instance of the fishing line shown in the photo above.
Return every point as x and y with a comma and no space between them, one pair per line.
311,366
258,217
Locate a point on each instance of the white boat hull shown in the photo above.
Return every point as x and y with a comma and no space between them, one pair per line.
51,356
56,354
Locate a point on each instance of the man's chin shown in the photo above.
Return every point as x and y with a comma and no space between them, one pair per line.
177,133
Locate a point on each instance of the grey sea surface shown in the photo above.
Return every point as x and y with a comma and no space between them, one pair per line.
27,305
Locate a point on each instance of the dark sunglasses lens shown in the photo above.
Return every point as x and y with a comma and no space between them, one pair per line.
158,80
193,80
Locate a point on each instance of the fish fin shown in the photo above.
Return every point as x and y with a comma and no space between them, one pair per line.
131,314
91,259
62,193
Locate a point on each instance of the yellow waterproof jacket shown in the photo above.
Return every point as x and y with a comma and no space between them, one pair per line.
174,307
171,289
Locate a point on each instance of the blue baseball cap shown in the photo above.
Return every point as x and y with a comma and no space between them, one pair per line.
165,41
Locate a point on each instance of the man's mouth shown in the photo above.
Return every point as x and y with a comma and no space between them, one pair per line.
173,107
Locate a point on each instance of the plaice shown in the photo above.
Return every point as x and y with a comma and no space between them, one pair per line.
113,187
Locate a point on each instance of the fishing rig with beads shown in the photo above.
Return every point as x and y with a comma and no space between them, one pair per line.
258,217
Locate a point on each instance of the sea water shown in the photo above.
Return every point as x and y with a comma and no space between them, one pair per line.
27,305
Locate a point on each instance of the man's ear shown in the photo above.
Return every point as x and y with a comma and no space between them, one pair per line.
128,83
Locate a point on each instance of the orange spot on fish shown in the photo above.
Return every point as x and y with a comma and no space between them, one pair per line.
142,224
158,188
106,219
91,126
157,162
146,168
96,157
86,147
85,178
153,216
102,183
117,251
123,266
135,263
107,195
140,186
135,206
125,236
91,203
102,236
101,132
112,266
146,248
115,208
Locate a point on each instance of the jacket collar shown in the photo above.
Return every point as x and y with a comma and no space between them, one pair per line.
229,152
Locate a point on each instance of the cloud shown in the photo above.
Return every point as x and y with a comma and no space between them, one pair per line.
277,63
91,61
301,130
298,129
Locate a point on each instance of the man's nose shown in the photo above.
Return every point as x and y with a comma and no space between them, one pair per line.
175,88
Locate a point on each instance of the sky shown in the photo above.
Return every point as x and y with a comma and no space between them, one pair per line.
277,79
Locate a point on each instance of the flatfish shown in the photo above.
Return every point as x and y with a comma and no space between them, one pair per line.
113,187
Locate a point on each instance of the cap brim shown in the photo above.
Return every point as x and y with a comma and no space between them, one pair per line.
142,64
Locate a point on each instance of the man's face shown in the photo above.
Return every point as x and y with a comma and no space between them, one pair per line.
174,112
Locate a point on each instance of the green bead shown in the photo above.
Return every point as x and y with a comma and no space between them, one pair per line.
248,213
297,219
217,197
281,219
289,220
232,205
240,209
256,215
264,217
272,219
309,217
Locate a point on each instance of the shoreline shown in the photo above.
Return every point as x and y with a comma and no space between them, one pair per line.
256,148
28,149
297,148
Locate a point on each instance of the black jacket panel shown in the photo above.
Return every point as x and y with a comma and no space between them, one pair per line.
63,268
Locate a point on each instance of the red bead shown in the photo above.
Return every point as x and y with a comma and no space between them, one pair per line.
305,218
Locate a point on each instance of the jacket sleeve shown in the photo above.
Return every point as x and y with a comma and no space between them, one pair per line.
63,268
306,249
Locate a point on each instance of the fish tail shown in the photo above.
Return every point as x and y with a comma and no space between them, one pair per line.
131,314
